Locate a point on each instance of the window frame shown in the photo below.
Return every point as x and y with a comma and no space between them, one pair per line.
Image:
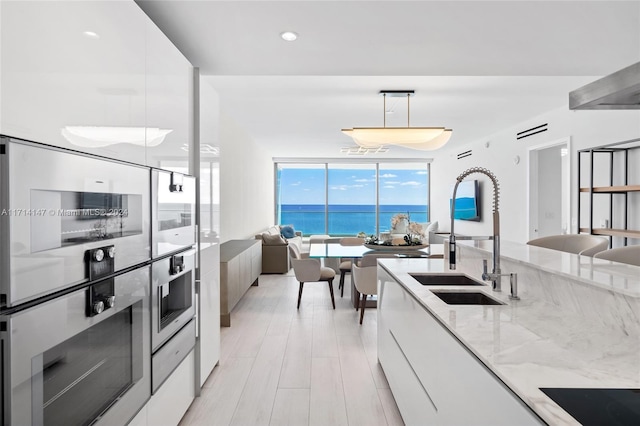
326,162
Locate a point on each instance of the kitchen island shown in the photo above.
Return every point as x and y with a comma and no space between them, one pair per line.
576,326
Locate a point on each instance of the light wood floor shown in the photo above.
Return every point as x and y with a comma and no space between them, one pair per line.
283,366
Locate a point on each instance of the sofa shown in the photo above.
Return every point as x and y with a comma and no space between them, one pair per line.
275,249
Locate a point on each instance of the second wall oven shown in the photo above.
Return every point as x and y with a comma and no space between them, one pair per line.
72,361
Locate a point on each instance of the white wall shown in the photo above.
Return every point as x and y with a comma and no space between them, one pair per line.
586,129
246,184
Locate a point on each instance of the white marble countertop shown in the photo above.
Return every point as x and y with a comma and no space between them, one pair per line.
531,343
602,273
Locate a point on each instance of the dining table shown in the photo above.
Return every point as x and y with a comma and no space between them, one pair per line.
336,250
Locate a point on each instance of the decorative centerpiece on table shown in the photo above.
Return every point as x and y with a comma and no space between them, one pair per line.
412,238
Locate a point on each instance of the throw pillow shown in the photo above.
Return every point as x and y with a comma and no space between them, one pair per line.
273,240
287,231
433,227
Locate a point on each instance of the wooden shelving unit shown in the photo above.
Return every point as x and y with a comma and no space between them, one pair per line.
612,189
610,232
617,192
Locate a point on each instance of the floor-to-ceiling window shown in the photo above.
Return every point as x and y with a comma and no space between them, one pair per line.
342,198
404,188
351,199
301,194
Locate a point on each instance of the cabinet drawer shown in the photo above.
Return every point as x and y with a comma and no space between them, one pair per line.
171,354
413,401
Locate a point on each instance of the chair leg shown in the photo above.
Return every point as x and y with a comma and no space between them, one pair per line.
333,301
341,286
300,294
357,298
364,302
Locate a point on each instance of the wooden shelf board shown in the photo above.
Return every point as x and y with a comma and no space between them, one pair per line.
620,188
613,232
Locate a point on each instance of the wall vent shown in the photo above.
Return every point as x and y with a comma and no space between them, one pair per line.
532,131
464,154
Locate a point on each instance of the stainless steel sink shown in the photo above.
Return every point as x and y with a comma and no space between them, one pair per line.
466,298
430,279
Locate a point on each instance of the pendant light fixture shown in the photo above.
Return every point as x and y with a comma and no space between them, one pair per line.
420,138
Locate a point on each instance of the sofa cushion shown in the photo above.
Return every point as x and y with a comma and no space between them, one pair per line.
274,230
287,231
273,240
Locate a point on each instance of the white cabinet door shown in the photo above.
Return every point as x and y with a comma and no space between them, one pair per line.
167,406
209,180
73,75
209,311
412,397
169,106
460,389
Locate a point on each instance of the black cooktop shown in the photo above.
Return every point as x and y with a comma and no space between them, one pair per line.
599,407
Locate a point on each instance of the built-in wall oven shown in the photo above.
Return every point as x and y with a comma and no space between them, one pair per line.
81,358
55,205
173,304
173,331
172,212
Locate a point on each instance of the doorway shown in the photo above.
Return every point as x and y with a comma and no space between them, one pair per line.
549,188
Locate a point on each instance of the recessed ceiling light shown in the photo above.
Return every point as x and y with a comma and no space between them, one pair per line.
289,36
91,34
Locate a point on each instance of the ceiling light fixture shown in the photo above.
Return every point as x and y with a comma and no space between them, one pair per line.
421,138
289,36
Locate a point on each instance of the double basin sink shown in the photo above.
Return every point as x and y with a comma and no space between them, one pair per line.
454,297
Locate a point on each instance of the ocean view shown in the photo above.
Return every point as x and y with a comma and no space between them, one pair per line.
346,219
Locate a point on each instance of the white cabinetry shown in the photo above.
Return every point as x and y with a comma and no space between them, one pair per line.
209,313
433,377
169,101
96,77
171,401
207,113
70,67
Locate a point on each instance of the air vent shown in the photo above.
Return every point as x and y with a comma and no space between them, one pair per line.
532,131
464,154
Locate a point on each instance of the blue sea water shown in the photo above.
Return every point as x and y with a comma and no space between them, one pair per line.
346,219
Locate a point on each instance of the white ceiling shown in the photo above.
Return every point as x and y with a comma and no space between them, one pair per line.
476,66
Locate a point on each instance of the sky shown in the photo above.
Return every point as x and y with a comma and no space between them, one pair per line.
353,186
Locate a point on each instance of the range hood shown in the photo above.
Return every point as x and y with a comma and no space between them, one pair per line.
620,90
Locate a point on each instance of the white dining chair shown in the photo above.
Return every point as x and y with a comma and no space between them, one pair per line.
583,244
310,270
371,259
365,281
629,255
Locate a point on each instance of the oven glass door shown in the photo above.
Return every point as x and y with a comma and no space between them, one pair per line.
67,367
84,375
174,298
173,212
172,295
60,205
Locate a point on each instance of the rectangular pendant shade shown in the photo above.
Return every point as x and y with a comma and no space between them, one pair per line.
422,138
